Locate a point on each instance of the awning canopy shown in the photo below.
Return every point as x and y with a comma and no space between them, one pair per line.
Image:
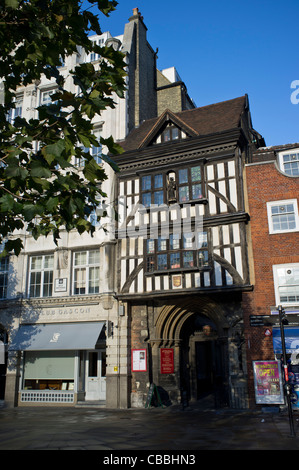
291,340
57,336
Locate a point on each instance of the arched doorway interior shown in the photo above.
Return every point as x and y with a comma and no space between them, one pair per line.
203,360
198,330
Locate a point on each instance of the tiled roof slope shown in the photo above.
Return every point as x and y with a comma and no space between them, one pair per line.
206,120
270,153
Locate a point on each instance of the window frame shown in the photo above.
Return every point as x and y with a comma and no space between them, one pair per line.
17,111
285,202
4,272
176,254
87,267
42,270
151,190
277,285
281,162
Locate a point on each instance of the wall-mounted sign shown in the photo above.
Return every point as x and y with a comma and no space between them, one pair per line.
60,284
139,363
167,361
268,382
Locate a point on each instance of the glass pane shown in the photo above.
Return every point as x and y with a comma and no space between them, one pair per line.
94,277
202,239
174,241
94,257
203,258
150,264
146,183
146,199
188,259
188,240
158,197
196,191
196,173
162,244
183,176
80,258
49,262
184,193
35,284
36,262
48,283
150,246
92,364
158,181
80,281
175,260
161,262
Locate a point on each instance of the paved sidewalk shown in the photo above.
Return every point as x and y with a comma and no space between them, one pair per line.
170,429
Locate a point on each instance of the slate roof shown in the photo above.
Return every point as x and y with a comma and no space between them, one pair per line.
201,121
270,153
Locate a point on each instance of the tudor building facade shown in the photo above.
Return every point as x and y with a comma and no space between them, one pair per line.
182,251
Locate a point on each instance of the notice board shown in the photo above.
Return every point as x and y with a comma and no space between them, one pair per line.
268,382
167,360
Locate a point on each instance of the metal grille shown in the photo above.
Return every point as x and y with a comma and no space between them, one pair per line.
47,396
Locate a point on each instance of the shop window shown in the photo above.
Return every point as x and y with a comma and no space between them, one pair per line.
44,370
178,252
283,216
86,272
41,276
4,265
289,162
286,282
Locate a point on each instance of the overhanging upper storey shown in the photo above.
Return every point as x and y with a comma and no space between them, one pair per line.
180,202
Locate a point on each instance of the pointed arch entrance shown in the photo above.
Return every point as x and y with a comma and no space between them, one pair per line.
199,330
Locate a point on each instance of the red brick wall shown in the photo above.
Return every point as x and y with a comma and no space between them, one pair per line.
264,184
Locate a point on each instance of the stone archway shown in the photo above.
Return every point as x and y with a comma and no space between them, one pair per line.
201,358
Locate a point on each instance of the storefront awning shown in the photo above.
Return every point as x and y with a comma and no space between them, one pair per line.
291,340
57,336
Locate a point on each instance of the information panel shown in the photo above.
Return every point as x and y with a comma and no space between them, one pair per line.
139,360
268,382
166,361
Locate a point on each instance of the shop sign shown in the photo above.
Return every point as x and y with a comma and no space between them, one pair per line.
167,361
268,382
139,363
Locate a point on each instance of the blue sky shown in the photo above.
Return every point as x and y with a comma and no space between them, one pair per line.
224,49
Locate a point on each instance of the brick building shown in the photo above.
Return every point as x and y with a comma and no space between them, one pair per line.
272,189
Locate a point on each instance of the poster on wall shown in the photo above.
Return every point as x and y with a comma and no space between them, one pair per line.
268,382
166,361
139,360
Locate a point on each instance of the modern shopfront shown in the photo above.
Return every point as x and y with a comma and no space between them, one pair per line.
61,363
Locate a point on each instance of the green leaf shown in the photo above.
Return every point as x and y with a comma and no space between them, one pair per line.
55,149
14,4
38,170
6,202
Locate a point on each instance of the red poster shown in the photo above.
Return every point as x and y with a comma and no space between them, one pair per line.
167,362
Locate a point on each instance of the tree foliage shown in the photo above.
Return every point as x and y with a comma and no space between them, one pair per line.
40,188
